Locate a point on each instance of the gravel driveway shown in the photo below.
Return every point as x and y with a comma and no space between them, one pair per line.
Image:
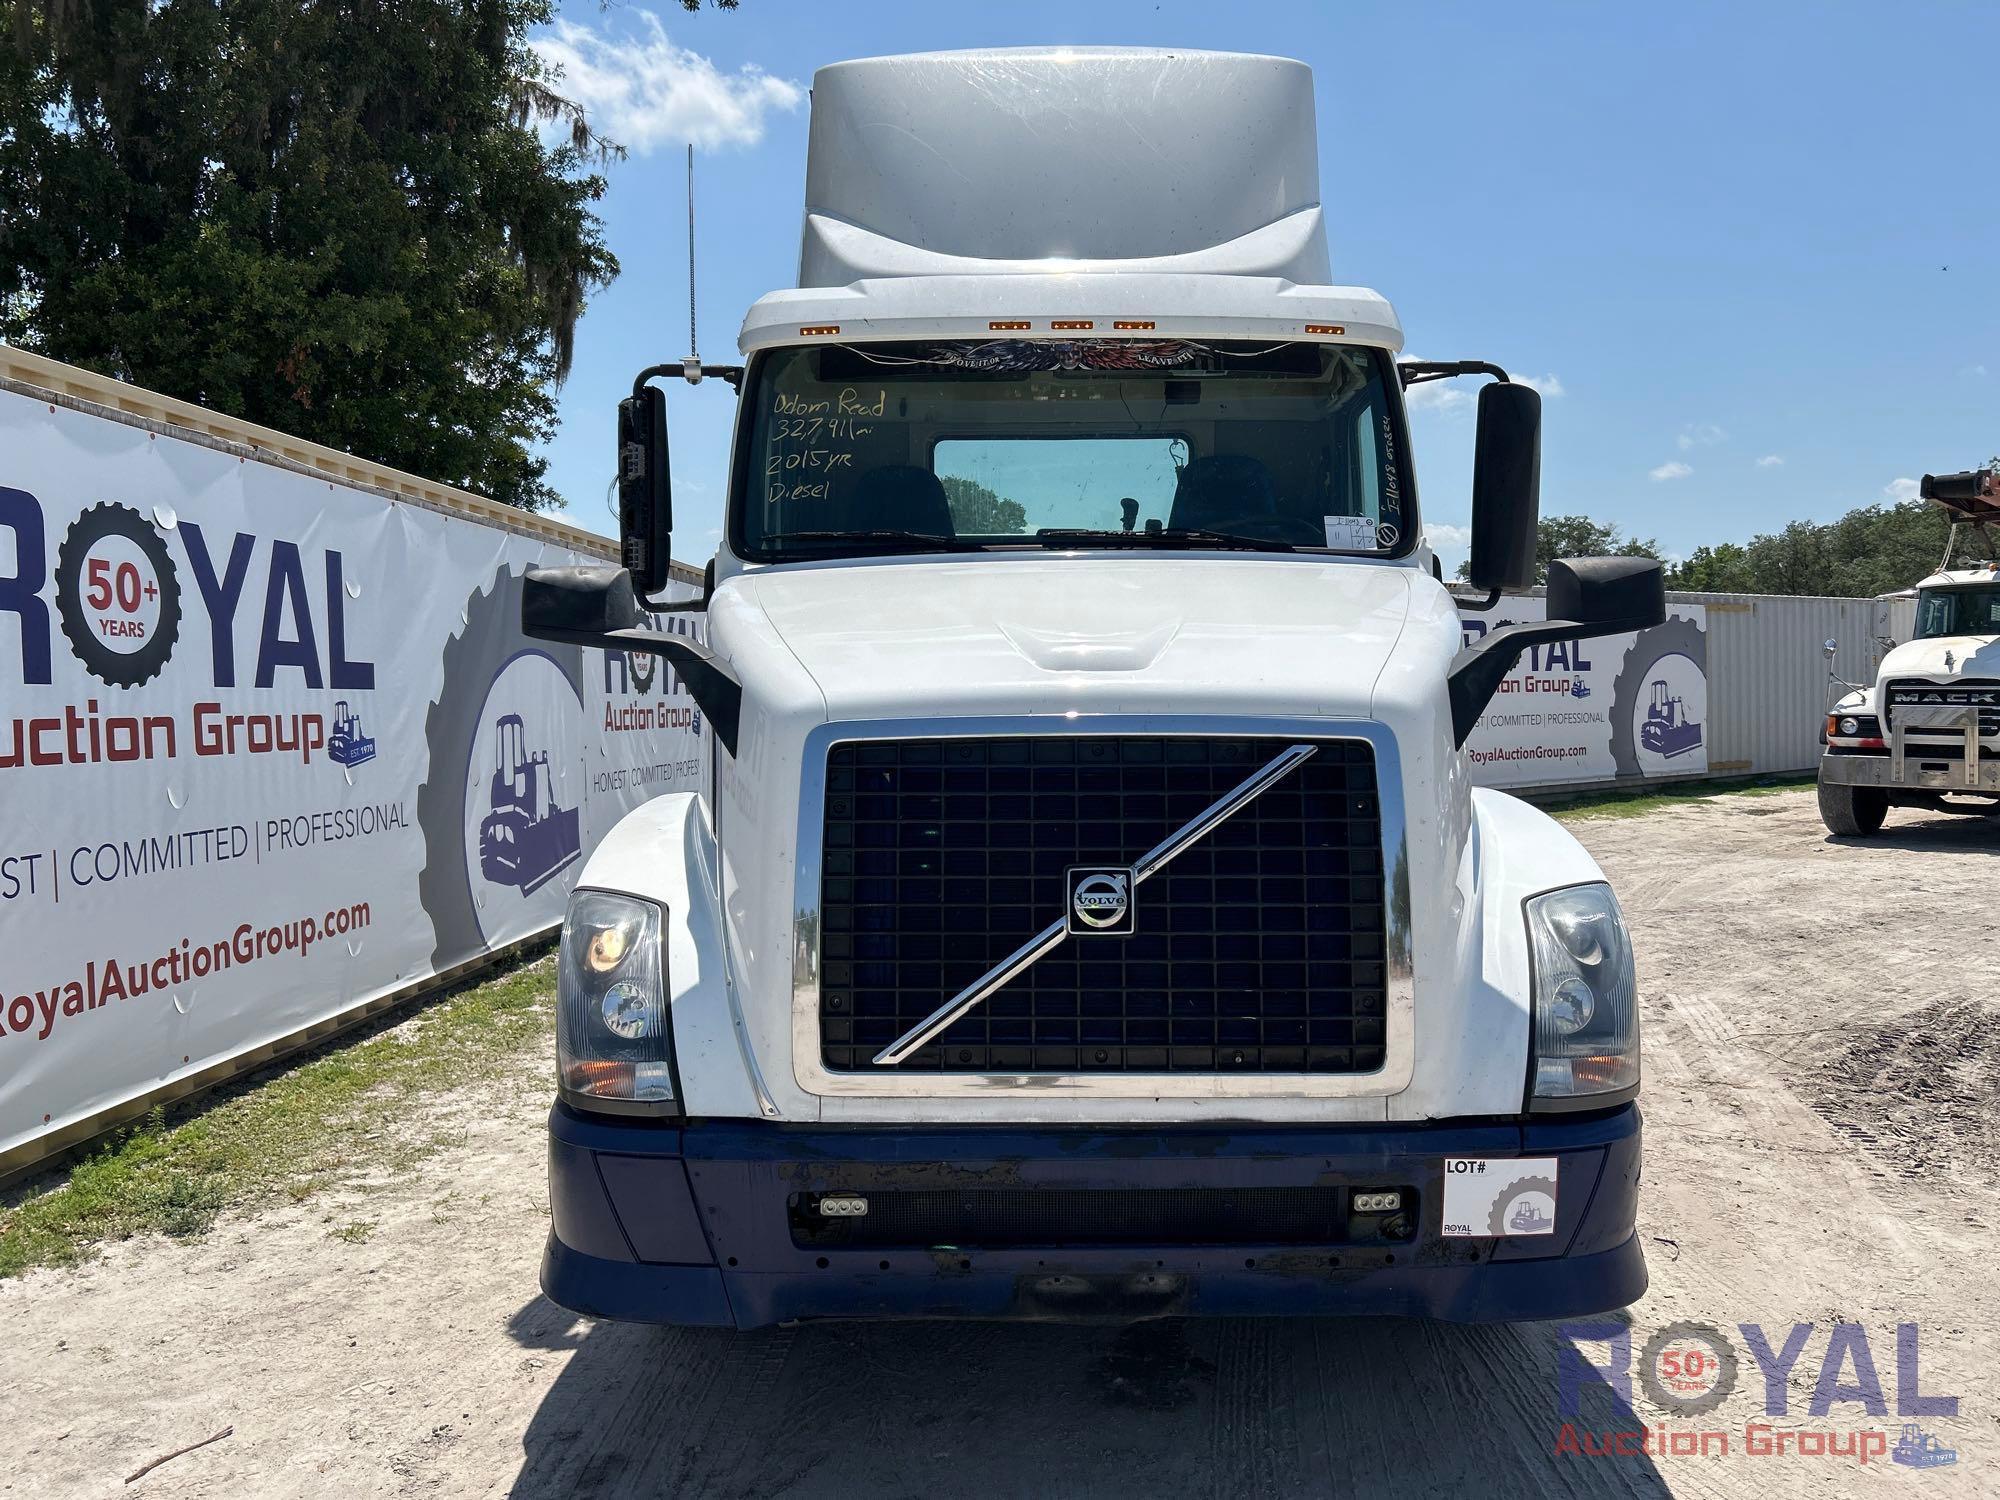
1822,1051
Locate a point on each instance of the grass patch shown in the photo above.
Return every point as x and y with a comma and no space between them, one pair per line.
290,1132
1638,801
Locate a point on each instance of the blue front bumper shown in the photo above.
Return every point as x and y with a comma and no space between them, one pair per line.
701,1223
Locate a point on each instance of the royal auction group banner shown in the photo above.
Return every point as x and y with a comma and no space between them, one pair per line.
1619,707
271,747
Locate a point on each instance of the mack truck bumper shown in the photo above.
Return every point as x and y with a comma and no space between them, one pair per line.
1919,773
726,1222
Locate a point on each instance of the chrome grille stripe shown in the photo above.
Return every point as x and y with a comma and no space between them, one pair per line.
1149,864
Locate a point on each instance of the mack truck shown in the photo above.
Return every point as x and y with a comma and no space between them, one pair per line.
1926,732
1087,911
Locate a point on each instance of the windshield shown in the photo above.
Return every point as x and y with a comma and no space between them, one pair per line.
1973,611
1011,443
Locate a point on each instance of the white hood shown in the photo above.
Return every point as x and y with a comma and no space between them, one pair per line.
1969,656
1110,634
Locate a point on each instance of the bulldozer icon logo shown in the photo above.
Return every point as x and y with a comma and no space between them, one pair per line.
526,837
346,745
1660,701
500,803
1668,731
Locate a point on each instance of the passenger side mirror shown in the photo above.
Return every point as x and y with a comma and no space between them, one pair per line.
1607,595
645,490
1506,487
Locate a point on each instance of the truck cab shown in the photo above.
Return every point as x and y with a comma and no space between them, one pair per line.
1088,910
1926,732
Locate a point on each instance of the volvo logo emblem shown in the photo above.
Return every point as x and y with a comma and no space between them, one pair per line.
1100,899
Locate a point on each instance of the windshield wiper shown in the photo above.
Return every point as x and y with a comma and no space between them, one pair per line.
1165,537
907,541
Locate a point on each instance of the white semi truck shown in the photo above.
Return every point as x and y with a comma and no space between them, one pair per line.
1926,732
1088,910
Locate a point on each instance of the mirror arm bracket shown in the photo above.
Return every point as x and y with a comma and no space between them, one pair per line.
714,687
639,380
692,373
1478,670
695,606
1417,371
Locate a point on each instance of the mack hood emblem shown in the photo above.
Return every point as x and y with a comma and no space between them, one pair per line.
1100,900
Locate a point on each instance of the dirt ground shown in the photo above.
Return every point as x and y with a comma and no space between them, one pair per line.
1822,1146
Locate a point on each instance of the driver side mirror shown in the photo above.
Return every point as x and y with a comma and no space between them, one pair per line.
597,606
645,490
1506,487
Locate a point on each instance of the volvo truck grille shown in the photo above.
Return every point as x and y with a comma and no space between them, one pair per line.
1980,693
1259,949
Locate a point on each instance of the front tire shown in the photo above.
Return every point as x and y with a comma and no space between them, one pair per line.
1852,812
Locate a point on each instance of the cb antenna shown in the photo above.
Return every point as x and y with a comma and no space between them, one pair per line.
691,366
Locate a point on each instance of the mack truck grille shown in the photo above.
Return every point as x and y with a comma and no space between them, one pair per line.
1259,949
1979,692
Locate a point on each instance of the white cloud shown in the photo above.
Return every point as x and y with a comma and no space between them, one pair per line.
1438,395
642,91
1452,544
1700,435
1770,461
1461,393
1673,469
1900,489
1975,370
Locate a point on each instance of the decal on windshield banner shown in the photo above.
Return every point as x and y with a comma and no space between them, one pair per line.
1349,533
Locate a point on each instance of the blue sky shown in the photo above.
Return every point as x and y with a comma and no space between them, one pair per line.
1751,253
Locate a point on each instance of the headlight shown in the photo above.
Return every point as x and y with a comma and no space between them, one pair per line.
1586,999
614,1044
1850,726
